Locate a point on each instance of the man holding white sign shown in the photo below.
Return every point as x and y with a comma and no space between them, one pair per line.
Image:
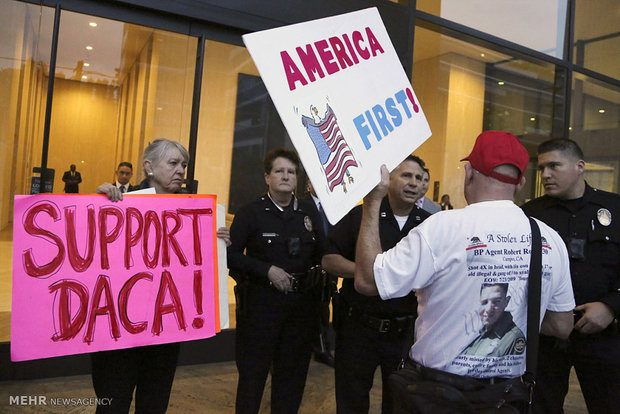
372,332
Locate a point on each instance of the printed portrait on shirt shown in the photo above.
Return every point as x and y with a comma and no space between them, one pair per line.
499,335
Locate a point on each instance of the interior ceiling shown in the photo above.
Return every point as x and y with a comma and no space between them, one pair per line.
115,48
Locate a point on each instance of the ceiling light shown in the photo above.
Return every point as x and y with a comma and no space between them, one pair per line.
601,111
532,119
570,128
84,77
500,83
481,54
86,64
92,24
89,48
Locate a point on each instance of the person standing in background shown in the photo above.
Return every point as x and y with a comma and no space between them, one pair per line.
424,202
72,180
445,202
124,172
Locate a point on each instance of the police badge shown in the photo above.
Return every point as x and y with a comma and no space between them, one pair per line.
308,223
604,217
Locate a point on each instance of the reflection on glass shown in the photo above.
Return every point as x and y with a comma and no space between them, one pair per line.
258,128
117,87
464,89
595,126
238,124
26,32
597,36
536,24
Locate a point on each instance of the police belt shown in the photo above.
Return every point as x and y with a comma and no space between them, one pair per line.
301,282
308,280
399,324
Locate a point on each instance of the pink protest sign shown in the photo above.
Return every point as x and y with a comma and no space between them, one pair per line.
91,275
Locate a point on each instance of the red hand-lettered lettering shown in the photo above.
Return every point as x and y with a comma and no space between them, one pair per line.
167,285
169,239
151,218
132,239
79,263
69,327
32,269
132,328
102,286
194,213
106,238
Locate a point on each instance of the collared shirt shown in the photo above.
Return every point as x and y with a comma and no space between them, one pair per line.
342,241
261,234
119,185
592,221
504,338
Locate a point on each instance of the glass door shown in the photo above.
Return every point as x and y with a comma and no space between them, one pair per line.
117,86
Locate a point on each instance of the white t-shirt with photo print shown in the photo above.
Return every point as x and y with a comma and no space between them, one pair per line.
447,259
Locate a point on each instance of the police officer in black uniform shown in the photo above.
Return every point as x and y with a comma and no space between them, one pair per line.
371,332
273,257
589,222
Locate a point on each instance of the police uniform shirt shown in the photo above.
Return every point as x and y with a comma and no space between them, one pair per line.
266,232
590,227
504,338
342,241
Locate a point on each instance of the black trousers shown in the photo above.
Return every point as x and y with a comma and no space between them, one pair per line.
274,332
322,342
359,351
597,364
147,369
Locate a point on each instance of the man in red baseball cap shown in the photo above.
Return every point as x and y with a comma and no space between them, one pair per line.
448,260
501,158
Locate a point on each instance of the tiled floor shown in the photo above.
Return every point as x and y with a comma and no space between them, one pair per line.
207,389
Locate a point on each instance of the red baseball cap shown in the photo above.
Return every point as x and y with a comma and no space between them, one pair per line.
493,148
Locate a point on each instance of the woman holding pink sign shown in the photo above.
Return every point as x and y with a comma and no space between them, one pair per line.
149,370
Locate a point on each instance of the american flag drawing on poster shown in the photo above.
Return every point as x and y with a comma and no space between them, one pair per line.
333,151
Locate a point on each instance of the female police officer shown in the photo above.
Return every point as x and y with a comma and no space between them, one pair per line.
276,296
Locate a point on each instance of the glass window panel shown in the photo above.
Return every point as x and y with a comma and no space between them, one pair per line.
238,125
465,89
597,36
118,86
595,126
539,25
26,33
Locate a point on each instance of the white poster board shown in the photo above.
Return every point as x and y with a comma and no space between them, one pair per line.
344,99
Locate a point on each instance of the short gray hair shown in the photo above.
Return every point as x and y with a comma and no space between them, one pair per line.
156,149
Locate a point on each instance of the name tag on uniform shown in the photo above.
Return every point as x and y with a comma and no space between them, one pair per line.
270,234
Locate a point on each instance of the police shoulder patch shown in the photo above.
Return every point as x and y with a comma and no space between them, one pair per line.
519,345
